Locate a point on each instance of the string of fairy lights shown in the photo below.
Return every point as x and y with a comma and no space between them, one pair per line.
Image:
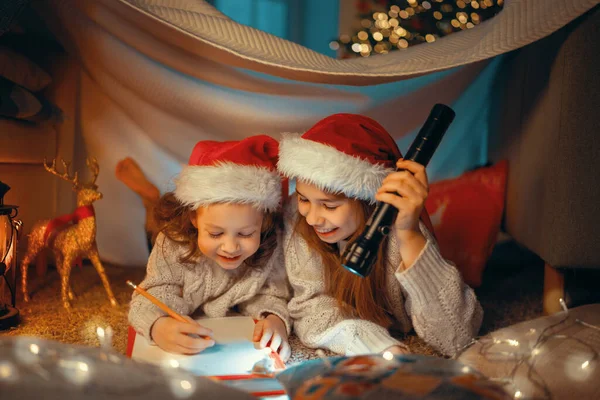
521,355
383,26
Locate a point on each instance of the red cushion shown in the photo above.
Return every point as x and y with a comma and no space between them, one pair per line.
466,213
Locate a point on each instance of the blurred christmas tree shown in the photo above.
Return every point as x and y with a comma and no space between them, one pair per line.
387,25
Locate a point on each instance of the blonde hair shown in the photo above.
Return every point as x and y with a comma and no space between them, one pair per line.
365,298
174,221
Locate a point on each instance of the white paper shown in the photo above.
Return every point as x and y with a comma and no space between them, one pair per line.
233,353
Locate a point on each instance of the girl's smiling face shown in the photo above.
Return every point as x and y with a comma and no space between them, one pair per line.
333,217
228,233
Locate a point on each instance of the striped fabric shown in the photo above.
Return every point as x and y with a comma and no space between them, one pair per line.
204,31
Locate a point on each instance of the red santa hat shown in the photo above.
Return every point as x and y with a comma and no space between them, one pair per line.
242,172
343,153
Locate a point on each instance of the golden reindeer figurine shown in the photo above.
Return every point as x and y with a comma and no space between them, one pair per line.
75,240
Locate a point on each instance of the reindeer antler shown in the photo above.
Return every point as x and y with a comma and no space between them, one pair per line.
92,164
65,175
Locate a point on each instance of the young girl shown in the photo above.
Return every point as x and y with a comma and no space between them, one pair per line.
219,248
343,165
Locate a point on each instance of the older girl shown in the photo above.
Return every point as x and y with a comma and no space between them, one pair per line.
342,165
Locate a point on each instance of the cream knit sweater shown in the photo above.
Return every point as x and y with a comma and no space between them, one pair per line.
208,287
430,297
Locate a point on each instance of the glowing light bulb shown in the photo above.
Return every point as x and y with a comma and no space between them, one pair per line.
34,348
174,363
7,371
388,355
75,370
182,388
400,32
585,365
186,385
518,394
563,305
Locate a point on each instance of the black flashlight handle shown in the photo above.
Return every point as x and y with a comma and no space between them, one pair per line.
420,151
360,256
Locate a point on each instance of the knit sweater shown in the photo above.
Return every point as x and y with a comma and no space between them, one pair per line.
206,286
430,297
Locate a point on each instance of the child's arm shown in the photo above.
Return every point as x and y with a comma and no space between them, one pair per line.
273,296
164,280
269,306
443,309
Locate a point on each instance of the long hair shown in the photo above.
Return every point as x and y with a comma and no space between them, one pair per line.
174,221
365,298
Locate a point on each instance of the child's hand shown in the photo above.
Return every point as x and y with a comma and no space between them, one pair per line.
180,337
273,329
413,188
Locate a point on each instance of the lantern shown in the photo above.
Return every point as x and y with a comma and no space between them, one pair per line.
9,235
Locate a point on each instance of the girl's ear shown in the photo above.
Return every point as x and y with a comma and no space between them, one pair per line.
193,214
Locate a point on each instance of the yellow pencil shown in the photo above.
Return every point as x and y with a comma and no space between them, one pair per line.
162,305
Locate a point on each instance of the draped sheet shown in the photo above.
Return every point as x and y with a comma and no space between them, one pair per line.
159,75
